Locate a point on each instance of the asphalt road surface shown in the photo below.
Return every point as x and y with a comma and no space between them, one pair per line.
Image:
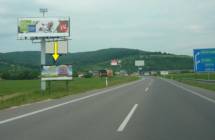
149,109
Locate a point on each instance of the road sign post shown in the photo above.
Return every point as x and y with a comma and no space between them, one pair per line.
106,81
204,60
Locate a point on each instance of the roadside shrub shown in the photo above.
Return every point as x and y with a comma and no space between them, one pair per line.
88,75
20,75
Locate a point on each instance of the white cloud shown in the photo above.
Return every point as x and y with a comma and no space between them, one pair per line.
196,28
145,24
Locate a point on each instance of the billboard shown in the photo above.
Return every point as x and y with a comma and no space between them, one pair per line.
62,47
164,73
56,71
204,60
114,62
43,27
139,63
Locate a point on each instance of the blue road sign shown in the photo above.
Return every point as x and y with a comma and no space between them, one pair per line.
204,60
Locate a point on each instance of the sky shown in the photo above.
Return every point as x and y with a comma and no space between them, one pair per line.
173,26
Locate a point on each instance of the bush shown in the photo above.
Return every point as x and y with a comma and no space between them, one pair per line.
88,75
20,75
75,74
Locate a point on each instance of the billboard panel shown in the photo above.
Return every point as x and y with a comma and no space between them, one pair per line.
164,72
139,63
114,62
43,27
62,47
204,60
56,71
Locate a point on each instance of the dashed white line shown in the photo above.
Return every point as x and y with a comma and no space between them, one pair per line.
146,90
126,120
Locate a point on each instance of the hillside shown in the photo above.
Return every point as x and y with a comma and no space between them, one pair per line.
100,59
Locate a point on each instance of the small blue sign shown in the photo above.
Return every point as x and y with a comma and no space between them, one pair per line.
204,60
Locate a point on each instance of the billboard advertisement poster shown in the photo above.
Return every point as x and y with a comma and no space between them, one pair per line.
56,71
62,49
43,27
139,63
114,62
164,72
204,60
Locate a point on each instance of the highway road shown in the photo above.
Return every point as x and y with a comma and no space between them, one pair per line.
148,109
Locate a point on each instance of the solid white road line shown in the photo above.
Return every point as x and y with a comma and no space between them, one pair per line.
193,92
128,117
146,90
62,104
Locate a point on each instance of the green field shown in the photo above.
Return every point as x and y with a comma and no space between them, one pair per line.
192,79
18,92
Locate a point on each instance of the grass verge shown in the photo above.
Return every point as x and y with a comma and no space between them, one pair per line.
18,92
209,86
191,79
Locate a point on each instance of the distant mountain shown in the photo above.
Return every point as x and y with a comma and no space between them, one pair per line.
100,59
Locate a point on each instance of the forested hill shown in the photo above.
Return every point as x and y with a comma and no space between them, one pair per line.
100,59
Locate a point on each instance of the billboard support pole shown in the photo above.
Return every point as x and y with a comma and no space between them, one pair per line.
43,61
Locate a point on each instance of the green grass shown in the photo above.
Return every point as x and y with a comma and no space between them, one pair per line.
18,92
192,76
189,78
9,87
209,86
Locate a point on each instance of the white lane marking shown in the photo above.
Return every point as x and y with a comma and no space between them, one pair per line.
193,92
126,120
15,107
62,104
146,90
151,81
